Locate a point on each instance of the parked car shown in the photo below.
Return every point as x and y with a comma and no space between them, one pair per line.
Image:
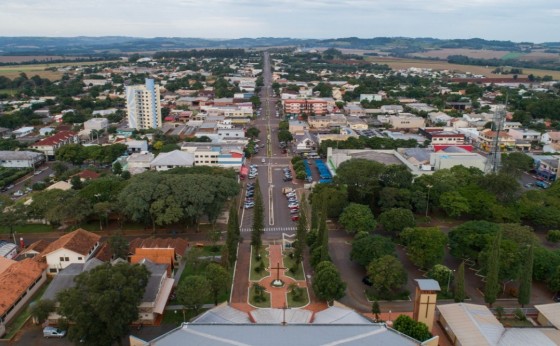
11,186
287,179
18,193
295,217
52,332
367,281
293,205
290,194
541,184
294,211
263,160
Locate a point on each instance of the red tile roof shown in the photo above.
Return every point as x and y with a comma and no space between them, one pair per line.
88,174
56,138
16,280
79,241
180,245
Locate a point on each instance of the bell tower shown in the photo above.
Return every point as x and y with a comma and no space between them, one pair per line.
425,301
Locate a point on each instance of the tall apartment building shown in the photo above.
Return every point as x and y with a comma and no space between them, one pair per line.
143,106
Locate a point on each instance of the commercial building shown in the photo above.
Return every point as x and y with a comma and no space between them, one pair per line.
225,156
143,106
305,106
50,144
20,159
96,124
173,159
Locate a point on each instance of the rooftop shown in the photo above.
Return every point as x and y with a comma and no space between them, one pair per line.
79,241
56,138
16,279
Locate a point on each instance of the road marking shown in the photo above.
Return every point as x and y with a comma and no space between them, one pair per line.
272,229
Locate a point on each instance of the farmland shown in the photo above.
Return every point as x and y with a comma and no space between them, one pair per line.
471,53
40,69
398,64
38,58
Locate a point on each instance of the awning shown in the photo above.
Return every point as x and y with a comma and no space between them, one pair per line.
163,295
244,170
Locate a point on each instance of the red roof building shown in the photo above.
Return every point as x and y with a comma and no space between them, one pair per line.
50,144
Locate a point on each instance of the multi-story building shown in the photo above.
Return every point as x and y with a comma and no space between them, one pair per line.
50,144
143,106
20,159
305,106
225,156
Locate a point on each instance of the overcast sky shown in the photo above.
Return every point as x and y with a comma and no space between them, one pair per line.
516,20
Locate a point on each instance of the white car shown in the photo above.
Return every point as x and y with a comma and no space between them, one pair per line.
18,193
263,160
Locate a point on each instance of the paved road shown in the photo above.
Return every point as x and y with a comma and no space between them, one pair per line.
28,180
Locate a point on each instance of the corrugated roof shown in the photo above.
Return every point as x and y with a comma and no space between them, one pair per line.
223,314
56,138
174,158
551,312
290,316
65,278
428,284
472,324
338,315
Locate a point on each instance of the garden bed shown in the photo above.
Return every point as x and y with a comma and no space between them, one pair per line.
253,300
255,274
301,302
289,263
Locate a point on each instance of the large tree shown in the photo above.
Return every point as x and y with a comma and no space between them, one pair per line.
526,277
459,291
218,277
387,274
425,245
301,235
366,248
516,163
233,234
194,292
104,302
362,178
258,220
454,203
327,284
357,218
396,219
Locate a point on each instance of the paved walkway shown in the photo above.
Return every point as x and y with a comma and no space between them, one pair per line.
278,295
239,295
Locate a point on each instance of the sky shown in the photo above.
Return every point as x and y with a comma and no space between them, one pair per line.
515,20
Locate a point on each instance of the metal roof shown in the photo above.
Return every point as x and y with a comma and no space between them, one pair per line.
428,284
223,314
551,312
472,324
338,315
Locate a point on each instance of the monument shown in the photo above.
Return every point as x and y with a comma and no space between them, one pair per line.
277,282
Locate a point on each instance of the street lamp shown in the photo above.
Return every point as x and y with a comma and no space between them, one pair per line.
428,199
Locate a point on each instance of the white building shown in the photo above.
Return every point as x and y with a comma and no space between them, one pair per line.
20,159
74,247
139,162
173,159
143,106
96,124
23,131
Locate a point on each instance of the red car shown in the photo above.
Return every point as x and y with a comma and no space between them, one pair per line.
295,217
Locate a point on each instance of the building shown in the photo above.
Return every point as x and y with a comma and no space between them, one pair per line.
470,324
8,250
177,245
305,106
486,139
549,315
371,97
20,159
156,293
297,127
19,281
143,106
23,131
425,301
136,146
354,110
320,122
138,162
526,134
173,159
439,136
225,156
403,121
74,247
45,131
50,144
5,133
96,124
356,124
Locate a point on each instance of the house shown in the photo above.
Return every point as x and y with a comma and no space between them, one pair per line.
18,283
173,159
50,144
65,279
526,134
155,255
297,127
46,131
354,110
33,249
391,109
96,124
403,121
74,247
87,174
139,162
371,97
156,294
304,142
178,245
20,159
5,133
356,123
136,146
23,131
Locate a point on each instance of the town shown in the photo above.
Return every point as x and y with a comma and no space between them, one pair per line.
281,195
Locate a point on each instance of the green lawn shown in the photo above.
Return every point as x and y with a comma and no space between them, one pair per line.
254,275
514,322
30,228
304,300
512,55
289,263
264,304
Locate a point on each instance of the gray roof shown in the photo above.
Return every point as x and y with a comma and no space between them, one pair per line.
65,278
279,335
174,158
428,284
453,149
223,314
420,154
18,155
292,316
157,272
338,315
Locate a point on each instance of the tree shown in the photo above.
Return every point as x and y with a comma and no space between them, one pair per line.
526,278
441,274
516,163
258,220
554,280
253,132
119,246
396,219
218,277
104,302
453,203
362,178
194,292
416,330
387,274
425,246
13,215
76,182
375,309
328,285
41,309
366,248
301,235
357,218
492,285
117,168
460,284
233,234
285,136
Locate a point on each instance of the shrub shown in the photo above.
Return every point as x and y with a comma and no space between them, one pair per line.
519,314
553,236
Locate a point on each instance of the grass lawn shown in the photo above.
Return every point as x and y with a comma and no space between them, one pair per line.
30,228
254,276
289,263
175,317
304,300
262,304
514,322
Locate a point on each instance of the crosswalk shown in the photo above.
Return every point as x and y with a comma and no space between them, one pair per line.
272,229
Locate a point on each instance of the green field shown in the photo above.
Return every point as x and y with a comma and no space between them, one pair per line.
39,69
31,228
512,55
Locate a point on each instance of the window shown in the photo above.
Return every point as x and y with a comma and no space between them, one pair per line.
79,258
52,270
61,259
66,259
